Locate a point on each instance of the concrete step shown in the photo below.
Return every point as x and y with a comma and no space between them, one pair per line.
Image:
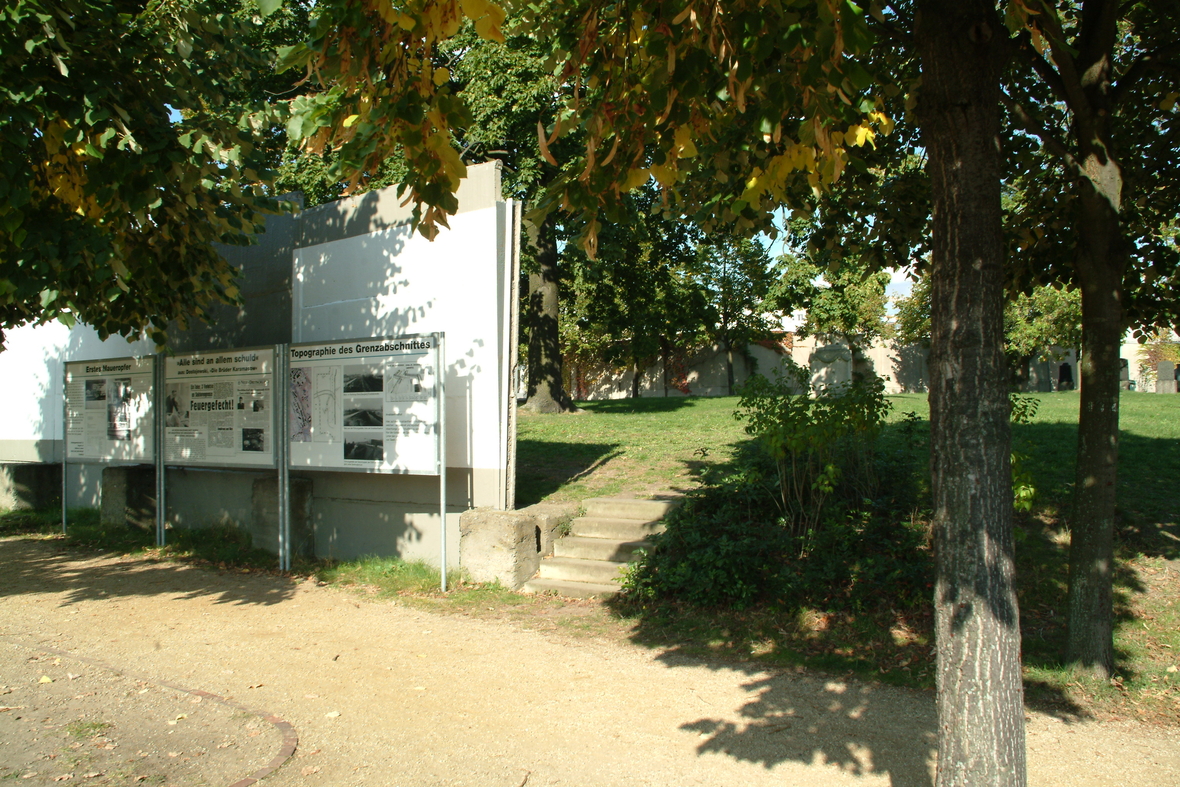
570,589
615,529
629,508
598,548
578,570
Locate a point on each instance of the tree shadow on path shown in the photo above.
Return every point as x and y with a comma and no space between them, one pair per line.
46,566
861,729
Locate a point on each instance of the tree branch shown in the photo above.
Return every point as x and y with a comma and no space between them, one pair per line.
1069,80
1043,68
1157,58
1048,139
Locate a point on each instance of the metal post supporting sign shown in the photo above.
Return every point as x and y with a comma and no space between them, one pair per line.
282,388
65,441
440,376
158,441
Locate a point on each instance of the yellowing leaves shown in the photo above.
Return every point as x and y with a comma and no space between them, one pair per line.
636,178
883,121
683,142
666,174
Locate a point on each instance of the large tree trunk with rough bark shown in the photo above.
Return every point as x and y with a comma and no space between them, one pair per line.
980,691
1101,261
546,393
636,378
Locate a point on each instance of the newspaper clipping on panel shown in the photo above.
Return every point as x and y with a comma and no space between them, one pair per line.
218,408
109,410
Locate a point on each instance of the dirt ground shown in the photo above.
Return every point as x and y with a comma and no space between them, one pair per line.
379,694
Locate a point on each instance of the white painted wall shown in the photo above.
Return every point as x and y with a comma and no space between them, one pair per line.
394,282
31,368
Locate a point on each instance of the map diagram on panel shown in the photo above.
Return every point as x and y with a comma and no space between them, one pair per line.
300,405
405,382
326,405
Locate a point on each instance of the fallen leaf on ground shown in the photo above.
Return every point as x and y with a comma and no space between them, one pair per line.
173,754
45,679
332,714
256,686
310,769
63,777
93,775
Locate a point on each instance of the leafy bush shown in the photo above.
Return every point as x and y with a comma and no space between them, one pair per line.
818,440
800,516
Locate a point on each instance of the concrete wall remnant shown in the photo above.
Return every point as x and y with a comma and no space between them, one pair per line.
26,485
507,546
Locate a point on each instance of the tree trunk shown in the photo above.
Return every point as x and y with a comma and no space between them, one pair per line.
636,379
728,346
546,393
1100,265
980,690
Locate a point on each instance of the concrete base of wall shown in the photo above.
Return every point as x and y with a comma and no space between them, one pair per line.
30,486
264,529
507,546
129,497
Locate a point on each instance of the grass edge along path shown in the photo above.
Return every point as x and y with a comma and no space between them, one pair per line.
875,645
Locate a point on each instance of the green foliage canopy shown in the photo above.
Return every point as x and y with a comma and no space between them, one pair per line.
108,206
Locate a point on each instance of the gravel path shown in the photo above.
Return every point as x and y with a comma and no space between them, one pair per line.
384,695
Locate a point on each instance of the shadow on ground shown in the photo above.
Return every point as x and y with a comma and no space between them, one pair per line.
859,727
543,467
641,405
48,566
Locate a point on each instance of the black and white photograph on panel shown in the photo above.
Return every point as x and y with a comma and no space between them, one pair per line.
362,412
253,439
362,379
96,394
364,445
119,409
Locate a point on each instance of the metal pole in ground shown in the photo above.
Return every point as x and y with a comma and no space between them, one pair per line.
440,375
158,409
65,442
282,382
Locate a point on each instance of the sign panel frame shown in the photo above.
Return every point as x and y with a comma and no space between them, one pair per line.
109,410
350,401
219,408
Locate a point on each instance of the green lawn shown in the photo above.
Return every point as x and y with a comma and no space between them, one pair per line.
651,446
637,447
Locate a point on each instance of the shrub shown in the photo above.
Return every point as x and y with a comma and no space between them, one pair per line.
818,440
799,517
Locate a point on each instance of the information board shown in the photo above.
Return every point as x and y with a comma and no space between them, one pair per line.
108,410
365,405
219,408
